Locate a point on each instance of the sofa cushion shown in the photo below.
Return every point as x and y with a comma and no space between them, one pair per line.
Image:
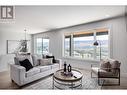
22,57
44,62
32,72
26,63
55,66
44,68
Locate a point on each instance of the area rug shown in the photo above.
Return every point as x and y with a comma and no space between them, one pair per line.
46,83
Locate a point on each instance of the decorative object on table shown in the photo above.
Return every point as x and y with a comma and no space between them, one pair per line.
67,74
69,68
65,66
96,43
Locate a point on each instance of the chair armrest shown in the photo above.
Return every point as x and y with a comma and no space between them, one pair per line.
59,61
17,73
110,69
113,71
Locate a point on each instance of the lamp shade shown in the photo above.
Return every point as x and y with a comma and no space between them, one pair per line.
95,43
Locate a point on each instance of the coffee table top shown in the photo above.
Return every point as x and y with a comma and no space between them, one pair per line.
77,75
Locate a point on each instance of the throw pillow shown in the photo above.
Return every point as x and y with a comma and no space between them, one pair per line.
53,58
36,60
48,54
16,61
26,63
105,65
115,64
47,61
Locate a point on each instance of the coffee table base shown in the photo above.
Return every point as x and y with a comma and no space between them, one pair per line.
70,84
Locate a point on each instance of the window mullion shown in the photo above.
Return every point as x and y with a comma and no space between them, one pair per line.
95,48
71,45
42,46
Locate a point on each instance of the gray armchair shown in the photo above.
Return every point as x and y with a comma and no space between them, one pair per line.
110,70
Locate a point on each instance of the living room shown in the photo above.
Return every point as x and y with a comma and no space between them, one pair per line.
67,33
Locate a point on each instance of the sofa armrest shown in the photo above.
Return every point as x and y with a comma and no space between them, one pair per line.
17,73
59,61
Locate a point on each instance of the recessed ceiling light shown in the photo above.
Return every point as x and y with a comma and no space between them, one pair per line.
107,15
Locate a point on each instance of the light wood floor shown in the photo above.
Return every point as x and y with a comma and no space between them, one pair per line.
6,83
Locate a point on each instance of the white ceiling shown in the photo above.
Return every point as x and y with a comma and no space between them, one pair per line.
43,18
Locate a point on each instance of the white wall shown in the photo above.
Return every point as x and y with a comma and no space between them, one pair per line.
5,58
118,38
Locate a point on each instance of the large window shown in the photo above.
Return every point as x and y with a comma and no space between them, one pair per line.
80,44
83,45
42,46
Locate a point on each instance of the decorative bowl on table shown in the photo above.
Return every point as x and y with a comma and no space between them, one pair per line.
68,74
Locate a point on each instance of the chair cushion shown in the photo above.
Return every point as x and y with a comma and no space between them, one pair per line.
32,72
102,73
26,63
55,66
44,68
105,74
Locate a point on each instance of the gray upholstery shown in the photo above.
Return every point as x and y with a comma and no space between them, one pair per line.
19,75
23,57
32,72
109,68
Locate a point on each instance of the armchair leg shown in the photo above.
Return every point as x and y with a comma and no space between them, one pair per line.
119,80
12,80
99,82
93,76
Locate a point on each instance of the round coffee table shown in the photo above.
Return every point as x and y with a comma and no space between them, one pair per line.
73,81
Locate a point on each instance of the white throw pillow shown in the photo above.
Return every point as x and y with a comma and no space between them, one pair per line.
47,61
36,60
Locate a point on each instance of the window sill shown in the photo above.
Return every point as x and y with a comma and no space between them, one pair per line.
80,59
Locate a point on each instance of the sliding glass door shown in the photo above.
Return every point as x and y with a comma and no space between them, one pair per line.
42,45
